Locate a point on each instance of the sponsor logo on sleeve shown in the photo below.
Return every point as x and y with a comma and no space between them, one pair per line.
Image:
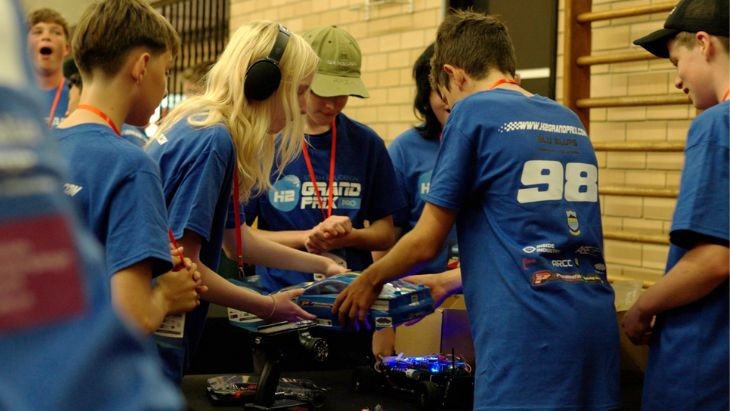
424,184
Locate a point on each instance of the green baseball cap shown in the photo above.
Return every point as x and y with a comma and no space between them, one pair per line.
338,73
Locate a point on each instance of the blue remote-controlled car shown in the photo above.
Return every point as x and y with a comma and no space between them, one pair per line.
399,302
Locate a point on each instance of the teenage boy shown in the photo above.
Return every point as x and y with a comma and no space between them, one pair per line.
58,330
117,186
518,174
48,46
684,316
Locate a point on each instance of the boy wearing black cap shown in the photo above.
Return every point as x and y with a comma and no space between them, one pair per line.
688,357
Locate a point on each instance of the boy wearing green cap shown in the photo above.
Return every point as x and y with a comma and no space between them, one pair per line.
343,178
684,316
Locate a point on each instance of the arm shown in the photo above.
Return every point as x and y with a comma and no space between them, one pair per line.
420,244
221,291
695,275
259,250
337,232
398,233
146,306
290,238
441,284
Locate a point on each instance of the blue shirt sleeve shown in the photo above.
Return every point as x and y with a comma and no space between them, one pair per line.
702,205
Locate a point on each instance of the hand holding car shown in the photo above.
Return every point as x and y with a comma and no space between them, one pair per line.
355,300
285,309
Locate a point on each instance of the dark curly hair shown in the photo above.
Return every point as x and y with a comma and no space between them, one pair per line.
431,127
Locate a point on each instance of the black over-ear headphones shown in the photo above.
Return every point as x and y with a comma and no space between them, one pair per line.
263,77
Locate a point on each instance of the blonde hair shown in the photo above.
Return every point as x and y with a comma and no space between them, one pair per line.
248,122
109,29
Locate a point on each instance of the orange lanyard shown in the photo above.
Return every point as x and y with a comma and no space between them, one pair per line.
95,110
724,96
330,187
503,81
55,103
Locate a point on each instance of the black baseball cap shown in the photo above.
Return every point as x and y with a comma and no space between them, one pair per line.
710,16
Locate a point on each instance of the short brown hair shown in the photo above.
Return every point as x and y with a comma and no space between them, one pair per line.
109,29
46,15
687,39
474,42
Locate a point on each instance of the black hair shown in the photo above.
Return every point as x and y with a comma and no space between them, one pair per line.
431,127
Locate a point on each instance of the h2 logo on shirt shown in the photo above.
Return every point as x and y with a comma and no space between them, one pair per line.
575,182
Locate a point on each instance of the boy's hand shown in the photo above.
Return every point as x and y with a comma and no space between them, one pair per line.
354,301
637,326
175,254
182,288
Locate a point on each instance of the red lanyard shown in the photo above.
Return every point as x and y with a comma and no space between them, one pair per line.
55,103
237,221
330,187
502,81
724,96
180,255
95,110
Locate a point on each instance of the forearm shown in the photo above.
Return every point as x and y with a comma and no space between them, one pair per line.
450,281
378,236
259,250
221,291
227,294
135,300
289,238
694,276
419,245
411,250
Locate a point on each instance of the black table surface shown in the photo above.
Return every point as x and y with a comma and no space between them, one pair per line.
339,396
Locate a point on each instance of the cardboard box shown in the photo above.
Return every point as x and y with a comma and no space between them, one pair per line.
446,329
633,357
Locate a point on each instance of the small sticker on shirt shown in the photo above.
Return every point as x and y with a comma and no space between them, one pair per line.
173,326
41,275
161,139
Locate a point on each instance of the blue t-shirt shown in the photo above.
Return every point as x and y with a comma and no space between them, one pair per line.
413,158
135,135
364,189
523,177
196,165
119,193
59,112
62,344
688,357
